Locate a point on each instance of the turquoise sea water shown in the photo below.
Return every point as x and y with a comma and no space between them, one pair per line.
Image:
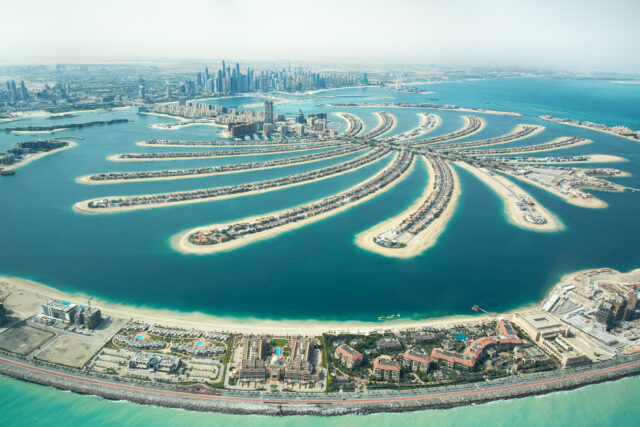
317,271
600,405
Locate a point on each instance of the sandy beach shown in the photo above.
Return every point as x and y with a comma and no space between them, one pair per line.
38,131
470,110
506,189
39,156
83,207
216,144
181,243
117,158
592,203
423,240
30,290
86,179
575,144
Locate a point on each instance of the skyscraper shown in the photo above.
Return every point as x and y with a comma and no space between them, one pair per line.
268,111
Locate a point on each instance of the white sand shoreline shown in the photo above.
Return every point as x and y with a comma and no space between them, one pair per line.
501,186
423,240
83,206
181,243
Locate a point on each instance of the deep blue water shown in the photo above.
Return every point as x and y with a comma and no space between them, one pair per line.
317,271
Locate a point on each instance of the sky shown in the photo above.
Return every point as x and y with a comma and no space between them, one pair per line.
561,34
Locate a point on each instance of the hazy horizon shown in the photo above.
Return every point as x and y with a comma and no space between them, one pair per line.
576,35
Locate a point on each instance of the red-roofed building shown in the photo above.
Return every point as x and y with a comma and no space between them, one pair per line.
386,369
416,359
348,356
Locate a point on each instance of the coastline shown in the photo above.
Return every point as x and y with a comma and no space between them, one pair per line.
178,126
39,155
423,240
42,113
463,109
180,241
503,187
593,203
423,120
82,207
85,179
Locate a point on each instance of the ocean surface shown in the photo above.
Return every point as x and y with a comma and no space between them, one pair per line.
317,271
600,405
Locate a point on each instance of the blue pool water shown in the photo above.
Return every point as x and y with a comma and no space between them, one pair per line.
461,337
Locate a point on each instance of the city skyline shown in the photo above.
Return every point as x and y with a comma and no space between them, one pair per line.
578,35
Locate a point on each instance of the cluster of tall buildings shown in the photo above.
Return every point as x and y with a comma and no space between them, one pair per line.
17,93
230,79
618,308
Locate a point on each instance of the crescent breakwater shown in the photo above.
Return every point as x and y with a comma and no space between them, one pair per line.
159,175
112,204
222,143
136,157
428,106
221,237
418,227
472,125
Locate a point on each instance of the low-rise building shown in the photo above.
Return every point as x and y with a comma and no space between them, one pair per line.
61,310
388,344
539,324
348,356
562,350
157,362
386,369
416,359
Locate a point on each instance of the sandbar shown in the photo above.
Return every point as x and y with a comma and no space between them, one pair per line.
425,238
591,158
180,241
555,120
515,130
505,189
83,206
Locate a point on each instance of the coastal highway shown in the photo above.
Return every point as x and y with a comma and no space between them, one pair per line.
434,397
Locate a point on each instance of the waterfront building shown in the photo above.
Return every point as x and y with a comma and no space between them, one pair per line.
562,350
424,337
3,313
87,317
348,356
604,315
385,369
416,359
300,365
388,344
299,117
61,310
539,324
268,111
252,366
157,362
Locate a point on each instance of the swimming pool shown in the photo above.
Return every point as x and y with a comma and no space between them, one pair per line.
139,337
278,351
200,344
461,337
